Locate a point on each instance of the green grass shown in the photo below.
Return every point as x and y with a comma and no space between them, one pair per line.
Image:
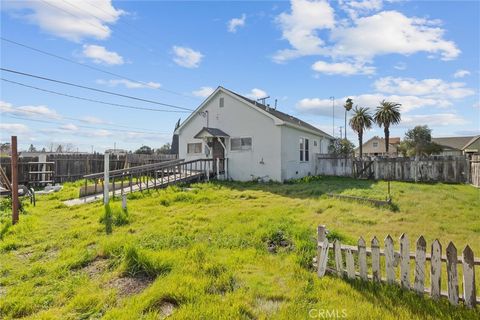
203,251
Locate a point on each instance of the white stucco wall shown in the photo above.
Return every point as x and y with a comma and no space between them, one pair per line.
238,119
292,167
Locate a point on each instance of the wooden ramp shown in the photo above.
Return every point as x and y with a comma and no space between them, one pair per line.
151,176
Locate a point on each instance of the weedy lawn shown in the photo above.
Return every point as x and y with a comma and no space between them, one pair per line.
223,251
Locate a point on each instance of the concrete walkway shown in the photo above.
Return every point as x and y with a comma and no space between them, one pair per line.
160,183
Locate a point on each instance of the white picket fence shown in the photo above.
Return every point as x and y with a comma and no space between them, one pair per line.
402,258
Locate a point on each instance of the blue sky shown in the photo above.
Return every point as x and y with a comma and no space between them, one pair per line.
422,54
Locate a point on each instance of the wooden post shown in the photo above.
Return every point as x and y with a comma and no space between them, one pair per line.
362,258
106,178
452,275
337,246
322,246
389,259
15,202
124,201
404,261
469,293
436,269
420,258
376,275
350,264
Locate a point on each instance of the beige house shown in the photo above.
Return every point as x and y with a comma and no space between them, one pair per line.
457,146
376,147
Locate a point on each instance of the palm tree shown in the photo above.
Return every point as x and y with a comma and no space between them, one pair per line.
348,106
387,114
361,120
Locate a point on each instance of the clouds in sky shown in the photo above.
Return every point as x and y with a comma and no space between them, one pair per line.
236,23
203,92
461,73
28,111
71,20
100,55
342,68
311,29
187,57
129,84
256,93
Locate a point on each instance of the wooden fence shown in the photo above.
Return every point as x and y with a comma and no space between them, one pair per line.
402,258
475,170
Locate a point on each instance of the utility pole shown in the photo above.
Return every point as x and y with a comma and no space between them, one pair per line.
15,203
333,115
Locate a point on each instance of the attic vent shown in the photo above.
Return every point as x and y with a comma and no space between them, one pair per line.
221,102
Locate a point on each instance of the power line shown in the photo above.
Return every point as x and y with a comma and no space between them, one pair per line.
82,126
93,89
88,99
91,67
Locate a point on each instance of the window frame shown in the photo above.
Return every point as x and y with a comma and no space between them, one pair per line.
241,149
304,148
375,144
195,143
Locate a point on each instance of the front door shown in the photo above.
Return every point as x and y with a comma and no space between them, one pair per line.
218,152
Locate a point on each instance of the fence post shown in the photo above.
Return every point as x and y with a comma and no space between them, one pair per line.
376,260
389,259
420,258
124,201
14,165
338,257
350,264
362,258
322,245
452,275
436,269
106,178
469,293
404,261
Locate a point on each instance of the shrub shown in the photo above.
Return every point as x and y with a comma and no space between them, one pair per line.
138,263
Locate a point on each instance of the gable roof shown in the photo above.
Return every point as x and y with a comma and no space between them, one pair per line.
214,132
278,116
458,143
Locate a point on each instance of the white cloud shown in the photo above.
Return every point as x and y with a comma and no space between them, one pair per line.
408,103
461,73
358,8
72,20
433,120
129,84
426,87
14,128
99,133
29,111
203,92
256,93
101,55
235,23
400,66
69,127
92,120
300,28
389,32
342,68
187,57
311,29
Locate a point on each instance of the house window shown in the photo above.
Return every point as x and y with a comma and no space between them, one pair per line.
194,147
375,144
314,143
221,102
304,149
241,144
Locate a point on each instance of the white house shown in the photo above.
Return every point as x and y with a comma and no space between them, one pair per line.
259,142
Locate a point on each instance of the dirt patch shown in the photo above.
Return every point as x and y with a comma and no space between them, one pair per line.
127,286
165,307
96,267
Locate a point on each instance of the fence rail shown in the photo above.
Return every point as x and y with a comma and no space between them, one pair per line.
402,259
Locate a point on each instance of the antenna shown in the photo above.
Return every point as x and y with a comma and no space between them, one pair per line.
276,104
263,99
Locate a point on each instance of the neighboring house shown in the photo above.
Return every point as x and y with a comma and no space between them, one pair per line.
376,147
258,141
456,146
